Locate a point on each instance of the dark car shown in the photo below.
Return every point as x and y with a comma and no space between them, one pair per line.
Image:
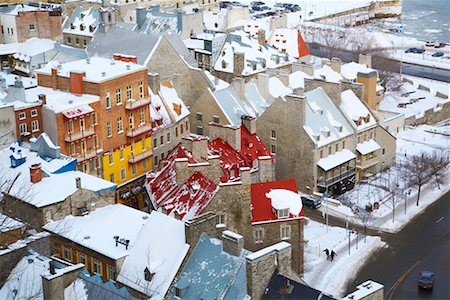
257,3
411,50
438,54
426,280
311,202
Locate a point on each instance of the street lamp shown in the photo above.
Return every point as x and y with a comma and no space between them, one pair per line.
406,197
349,234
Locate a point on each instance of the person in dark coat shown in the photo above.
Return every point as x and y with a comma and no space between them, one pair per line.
327,252
332,254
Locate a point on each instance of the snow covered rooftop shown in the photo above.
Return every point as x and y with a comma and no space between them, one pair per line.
364,290
328,74
289,41
336,159
324,122
297,79
356,112
367,147
82,22
59,177
8,224
351,70
277,88
15,9
267,197
232,105
97,69
175,104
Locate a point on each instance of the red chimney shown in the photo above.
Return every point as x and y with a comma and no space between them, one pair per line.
76,82
43,98
35,173
54,82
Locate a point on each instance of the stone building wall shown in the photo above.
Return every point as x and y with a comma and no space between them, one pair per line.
47,25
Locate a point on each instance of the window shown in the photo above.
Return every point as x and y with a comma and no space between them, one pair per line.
343,144
162,139
273,134
176,131
155,143
133,169
82,259
82,124
118,97
181,129
23,128
123,174
383,151
72,148
200,130
97,267
31,26
359,139
216,119
273,149
108,100
168,137
77,41
110,158
285,232
119,125
34,113
131,120
144,164
143,143
283,213
94,118
35,126
111,272
111,177
220,218
365,136
155,161
121,153
48,215
199,117
258,235
22,116
108,129
321,153
69,40
337,147
141,116
141,89
329,150
187,126
129,92
67,253
132,148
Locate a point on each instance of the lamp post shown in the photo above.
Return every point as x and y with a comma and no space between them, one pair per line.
406,197
349,234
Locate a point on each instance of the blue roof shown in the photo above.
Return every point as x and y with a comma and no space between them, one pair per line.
210,272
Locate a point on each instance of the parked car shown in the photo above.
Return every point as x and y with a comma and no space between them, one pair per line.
440,45
411,50
256,3
430,44
438,54
426,280
310,201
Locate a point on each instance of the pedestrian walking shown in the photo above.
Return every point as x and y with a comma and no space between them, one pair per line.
327,252
332,254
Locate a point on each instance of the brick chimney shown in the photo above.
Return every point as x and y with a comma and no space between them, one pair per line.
265,168
229,133
43,98
54,284
336,64
249,123
233,243
365,59
306,68
198,145
54,81
154,82
369,81
35,173
76,82
245,175
262,37
239,63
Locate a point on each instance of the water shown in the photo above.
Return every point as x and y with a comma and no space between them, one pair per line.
427,20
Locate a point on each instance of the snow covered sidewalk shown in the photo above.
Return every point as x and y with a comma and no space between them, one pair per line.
328,276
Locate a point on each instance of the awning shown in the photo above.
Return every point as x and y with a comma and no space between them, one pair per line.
367,147
336,159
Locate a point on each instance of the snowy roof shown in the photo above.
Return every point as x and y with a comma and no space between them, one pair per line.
161,248
328,74
253,25
82,22
324,122
267,197
31,47
367,147
212,272
59,177
261,57
296,79
215,21
98,69
356,112
60,101
351,70
364,290
232,105
14,9
289,41
277,88
255,100
175,105
159,23
336,159
8,224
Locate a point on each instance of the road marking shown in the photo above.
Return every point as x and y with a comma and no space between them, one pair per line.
390,293
440,219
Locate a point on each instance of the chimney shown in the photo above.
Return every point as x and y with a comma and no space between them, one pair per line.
336,64
238,84
233,243
239,63
54,81
54,284
228,133
260,266
35,173
78,182
43,98
200,148
263,84
245,175
141,16
154,82
262,37
306,68
249,123
265,168
284,77
369,81
181,170
365,59
76,82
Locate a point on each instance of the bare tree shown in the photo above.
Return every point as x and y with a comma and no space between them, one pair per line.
417,172
439,163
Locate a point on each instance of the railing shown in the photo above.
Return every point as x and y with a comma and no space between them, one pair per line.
85,155
132,105
324,183
139,157
75,136
364,164
139,130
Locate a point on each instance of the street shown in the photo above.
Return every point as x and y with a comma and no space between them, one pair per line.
424,244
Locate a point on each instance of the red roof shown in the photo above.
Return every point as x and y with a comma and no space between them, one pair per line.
190,199
252,147
230,159
262,206
302,48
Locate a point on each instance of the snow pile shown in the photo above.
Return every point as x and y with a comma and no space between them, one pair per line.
285,199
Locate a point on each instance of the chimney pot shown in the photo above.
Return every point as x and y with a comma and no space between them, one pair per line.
35,173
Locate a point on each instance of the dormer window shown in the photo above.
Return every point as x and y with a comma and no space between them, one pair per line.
148,275
283,213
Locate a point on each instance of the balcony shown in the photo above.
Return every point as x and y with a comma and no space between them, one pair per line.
367,163
85,156
135,104
75,136
330,181
139,130
134,159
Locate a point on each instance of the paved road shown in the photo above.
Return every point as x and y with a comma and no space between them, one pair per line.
390,65
424,244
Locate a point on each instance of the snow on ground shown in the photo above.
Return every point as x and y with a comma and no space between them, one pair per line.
412,141
332,276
